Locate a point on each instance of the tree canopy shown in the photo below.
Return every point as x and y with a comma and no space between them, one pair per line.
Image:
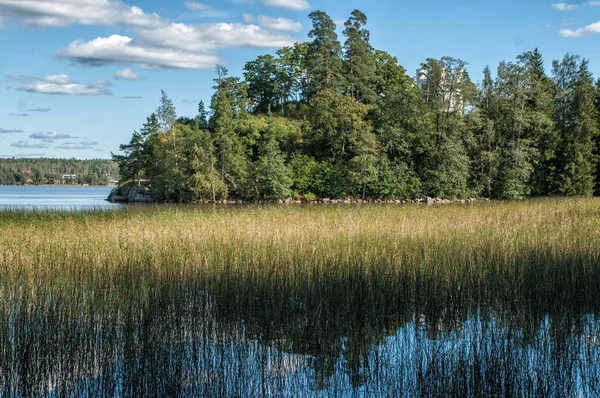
322,119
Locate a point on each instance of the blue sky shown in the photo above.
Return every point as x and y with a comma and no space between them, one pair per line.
78,76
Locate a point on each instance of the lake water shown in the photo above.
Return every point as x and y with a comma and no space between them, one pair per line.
181,339
55,198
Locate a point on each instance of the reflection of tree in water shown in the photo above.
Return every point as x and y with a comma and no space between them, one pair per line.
238,336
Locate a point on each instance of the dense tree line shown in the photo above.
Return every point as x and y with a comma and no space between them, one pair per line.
330,119
42,171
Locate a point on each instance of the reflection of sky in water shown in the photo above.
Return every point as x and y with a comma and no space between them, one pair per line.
481,358
55,198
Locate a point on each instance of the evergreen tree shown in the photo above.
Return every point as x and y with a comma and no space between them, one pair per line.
577,161
202,116
516,148
137,154
323,58
359,58
539,125
232,162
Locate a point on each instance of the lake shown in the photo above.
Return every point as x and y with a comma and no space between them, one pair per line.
68,198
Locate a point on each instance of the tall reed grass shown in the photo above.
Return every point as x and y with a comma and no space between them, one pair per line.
135,299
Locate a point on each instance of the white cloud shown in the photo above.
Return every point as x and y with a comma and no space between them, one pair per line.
190,101
298,5
586,30
83,145
61,13
29,145
194,6
19,114
173,46
50,135
124,50
283,24
573,7
9,131
132,97
212,36
156,43
43,110
28,155
565,6
59,84
127,74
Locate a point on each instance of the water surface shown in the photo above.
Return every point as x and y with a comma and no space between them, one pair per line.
29,197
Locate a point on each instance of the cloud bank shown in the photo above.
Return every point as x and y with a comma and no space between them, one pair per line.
59,85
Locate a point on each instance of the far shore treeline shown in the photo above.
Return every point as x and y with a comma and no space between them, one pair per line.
51,171
322,119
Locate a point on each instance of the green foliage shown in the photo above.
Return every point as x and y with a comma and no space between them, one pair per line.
271,174
577,145
318,120
324,63
359,59
41,171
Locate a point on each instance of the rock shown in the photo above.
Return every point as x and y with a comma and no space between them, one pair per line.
430,201
139,194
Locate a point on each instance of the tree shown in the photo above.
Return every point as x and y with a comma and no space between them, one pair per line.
341,136
483,147
166,113
202,116
227,107
576,152
359,59
273,177
447,91
517,151
539,126
389,76
263,85
323,58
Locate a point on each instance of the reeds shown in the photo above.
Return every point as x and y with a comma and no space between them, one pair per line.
155,300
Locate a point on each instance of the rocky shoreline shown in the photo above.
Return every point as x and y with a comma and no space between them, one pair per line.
135,194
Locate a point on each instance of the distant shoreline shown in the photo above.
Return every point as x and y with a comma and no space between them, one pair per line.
61,185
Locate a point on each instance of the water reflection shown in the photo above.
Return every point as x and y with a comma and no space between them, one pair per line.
241,338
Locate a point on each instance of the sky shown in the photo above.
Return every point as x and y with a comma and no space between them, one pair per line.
77,77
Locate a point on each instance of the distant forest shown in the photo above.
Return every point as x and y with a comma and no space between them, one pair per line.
43,171
326,119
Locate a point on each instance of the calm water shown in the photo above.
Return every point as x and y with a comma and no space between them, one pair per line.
182,338
55,198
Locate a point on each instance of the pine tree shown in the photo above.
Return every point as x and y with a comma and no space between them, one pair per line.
323,58
359,59
202,116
